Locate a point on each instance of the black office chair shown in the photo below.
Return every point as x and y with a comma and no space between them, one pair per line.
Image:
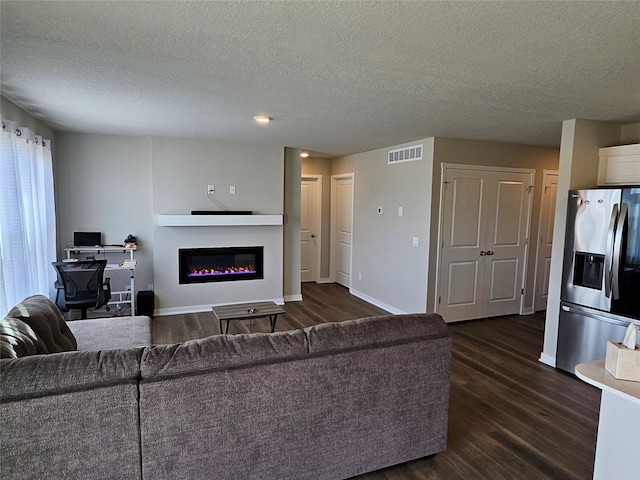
81,285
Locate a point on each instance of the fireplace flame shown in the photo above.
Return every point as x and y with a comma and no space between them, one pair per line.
204,272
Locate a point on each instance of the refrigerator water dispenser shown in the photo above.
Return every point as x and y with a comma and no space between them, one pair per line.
588,270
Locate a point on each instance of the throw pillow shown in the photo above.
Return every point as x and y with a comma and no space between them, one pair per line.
46,322
17,339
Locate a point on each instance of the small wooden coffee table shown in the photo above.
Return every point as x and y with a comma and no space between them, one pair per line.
245,311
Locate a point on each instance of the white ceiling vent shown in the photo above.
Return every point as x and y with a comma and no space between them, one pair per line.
406,154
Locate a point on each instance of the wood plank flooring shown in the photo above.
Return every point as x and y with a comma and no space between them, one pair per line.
328,302
510,416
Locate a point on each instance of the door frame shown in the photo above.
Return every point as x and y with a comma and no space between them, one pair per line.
317,180
333,240
488,168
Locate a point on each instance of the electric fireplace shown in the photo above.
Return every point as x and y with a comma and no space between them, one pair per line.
226,264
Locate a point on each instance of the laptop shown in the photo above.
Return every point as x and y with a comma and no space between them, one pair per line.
87,239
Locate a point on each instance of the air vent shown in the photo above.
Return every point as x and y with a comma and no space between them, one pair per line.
406,154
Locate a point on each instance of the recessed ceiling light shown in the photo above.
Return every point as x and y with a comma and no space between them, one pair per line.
262,119
304,154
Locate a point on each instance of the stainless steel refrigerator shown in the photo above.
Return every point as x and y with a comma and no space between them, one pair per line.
601,273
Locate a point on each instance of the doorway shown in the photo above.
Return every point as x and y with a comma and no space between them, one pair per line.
341,228
310,227
545,237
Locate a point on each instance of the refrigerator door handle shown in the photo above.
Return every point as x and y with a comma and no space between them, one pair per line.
617,250
597,317
611,231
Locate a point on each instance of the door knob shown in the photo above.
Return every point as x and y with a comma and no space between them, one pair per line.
313,235
489,252
482,253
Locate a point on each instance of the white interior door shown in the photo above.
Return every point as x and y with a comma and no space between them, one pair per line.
461,237
342,228
483,233
545,237
310,214
505,244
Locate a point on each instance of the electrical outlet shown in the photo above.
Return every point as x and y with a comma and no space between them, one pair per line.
232,189
211,189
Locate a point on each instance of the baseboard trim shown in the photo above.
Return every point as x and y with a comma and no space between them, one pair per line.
293,298
325,280
376,302
160,312
547,360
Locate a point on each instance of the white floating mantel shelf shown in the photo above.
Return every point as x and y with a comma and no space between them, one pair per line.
218,220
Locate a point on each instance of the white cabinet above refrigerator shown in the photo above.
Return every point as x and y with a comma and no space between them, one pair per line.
619,165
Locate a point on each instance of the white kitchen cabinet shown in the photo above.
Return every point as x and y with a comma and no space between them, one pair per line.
619,165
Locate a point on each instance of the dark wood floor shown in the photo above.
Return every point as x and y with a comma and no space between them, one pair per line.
510,417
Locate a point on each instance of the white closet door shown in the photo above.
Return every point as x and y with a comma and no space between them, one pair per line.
484,228
545,238
505,242
460,245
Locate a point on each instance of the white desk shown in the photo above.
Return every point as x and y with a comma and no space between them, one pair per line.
618,444
129,264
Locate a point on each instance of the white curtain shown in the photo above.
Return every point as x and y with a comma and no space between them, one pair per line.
27,216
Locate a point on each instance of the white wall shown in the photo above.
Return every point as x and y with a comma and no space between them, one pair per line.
394,273
103,183
292,289
630,134
182,170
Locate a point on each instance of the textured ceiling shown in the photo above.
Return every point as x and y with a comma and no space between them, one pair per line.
338,77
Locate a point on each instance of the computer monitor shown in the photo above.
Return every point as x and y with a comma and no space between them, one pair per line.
87,239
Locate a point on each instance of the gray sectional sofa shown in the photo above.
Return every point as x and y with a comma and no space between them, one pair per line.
327,402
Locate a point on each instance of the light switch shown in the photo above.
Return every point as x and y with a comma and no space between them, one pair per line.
400,211
415,241
232,189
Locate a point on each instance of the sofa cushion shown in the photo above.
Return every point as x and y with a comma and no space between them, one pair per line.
60,373
47,331
222,352
70,415
114,332
382,329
